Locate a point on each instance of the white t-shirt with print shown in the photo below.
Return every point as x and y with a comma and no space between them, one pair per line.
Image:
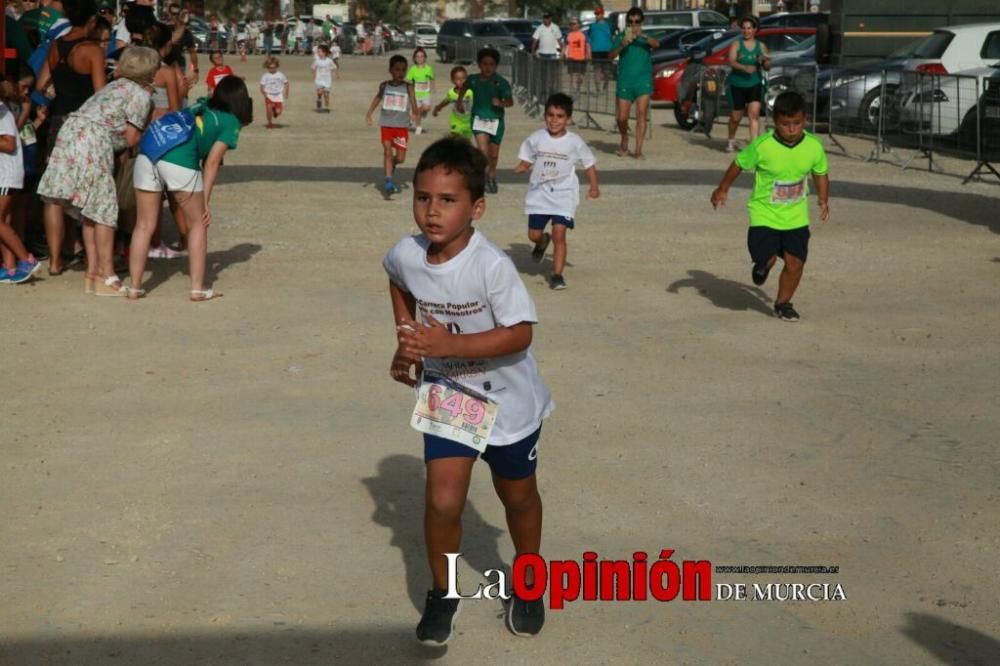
553,187
11,164
476,291
274,86
324,67
548,38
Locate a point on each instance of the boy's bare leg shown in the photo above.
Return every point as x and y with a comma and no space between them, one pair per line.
55,232
444,500
523,506
388,158
558,248
483,143
790,277
536,236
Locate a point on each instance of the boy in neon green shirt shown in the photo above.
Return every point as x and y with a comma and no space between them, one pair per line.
421,75
779,208
460,123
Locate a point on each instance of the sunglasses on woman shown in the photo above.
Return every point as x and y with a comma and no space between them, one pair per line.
634,21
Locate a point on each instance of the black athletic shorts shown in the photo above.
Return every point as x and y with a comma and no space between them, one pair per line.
741,97
765,242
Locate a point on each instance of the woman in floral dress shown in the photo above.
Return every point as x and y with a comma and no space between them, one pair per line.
80,177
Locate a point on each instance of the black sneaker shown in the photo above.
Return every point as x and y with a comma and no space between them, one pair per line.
438,622
759,274
557,282
491,185
539,252
785,311
525,618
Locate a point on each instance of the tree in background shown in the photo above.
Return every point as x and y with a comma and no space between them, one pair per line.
387,11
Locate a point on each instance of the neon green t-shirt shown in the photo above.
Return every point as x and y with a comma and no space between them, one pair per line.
421,76
461,123
780,197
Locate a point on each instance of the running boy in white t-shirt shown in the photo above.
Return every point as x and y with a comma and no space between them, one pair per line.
470,349
554,190
275,87
323,68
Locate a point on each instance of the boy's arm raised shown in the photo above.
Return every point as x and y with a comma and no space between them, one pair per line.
823,195
436,341
722,191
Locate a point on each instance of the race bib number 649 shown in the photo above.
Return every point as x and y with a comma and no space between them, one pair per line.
447,409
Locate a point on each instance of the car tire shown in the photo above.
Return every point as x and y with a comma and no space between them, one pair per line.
871,108
684,121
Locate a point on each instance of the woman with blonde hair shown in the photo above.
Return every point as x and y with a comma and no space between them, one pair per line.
80,173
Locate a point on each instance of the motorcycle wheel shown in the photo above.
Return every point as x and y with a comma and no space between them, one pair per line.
684,120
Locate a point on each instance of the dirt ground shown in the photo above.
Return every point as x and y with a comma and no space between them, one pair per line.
236,482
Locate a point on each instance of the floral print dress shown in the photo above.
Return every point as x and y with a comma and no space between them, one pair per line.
80,173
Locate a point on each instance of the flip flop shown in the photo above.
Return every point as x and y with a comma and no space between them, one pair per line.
134,294
202,295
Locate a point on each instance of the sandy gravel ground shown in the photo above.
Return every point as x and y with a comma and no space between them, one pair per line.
236,482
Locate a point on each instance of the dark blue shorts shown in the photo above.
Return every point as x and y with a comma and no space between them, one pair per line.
538,222
765,242
513,462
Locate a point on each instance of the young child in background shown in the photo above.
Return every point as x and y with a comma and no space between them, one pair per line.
219,71
323,68
491,96
275,87
552,154
398,106
460,123
335,56
18,265
421,75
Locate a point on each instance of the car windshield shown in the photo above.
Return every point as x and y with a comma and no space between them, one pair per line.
715,40
933,47
426,30
493,29
519,26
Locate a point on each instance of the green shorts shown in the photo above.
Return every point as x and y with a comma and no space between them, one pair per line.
494,138
633,91
462,129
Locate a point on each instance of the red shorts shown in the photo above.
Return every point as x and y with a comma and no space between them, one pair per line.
276,107
397,135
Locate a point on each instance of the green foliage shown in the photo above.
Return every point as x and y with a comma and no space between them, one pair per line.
388,11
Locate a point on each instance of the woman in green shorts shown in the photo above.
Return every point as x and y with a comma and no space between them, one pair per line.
635,79
747,58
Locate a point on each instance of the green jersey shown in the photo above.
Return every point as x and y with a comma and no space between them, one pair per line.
483,93
781,181
635,64
210,127
421,77
461,123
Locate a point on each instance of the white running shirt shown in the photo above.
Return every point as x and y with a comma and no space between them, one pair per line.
477,291
324,72
554,188
274,86
11,164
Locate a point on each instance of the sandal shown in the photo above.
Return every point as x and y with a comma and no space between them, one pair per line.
108,288
201,295
134,294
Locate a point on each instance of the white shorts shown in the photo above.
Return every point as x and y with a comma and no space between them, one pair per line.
161,176
322,87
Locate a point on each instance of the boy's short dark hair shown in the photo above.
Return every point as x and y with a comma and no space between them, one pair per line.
397,59
231,96
458,155
488,52
214,53
789,103
560,101
456,69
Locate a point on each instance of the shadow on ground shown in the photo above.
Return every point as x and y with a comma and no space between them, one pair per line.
217,261
977,209
389,644
723,293
520,254
398,493
952,643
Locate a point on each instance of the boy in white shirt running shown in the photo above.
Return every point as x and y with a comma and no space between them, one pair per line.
554,190
323,68
464,325
275,88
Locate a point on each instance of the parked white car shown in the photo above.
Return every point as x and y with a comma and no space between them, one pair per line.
945,76
426,35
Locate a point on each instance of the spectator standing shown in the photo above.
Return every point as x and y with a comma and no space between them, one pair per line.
599,40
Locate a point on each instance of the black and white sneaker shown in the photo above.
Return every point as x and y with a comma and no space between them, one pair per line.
557,282
759,273
525,618
491,185
785,311
438,622
539,252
